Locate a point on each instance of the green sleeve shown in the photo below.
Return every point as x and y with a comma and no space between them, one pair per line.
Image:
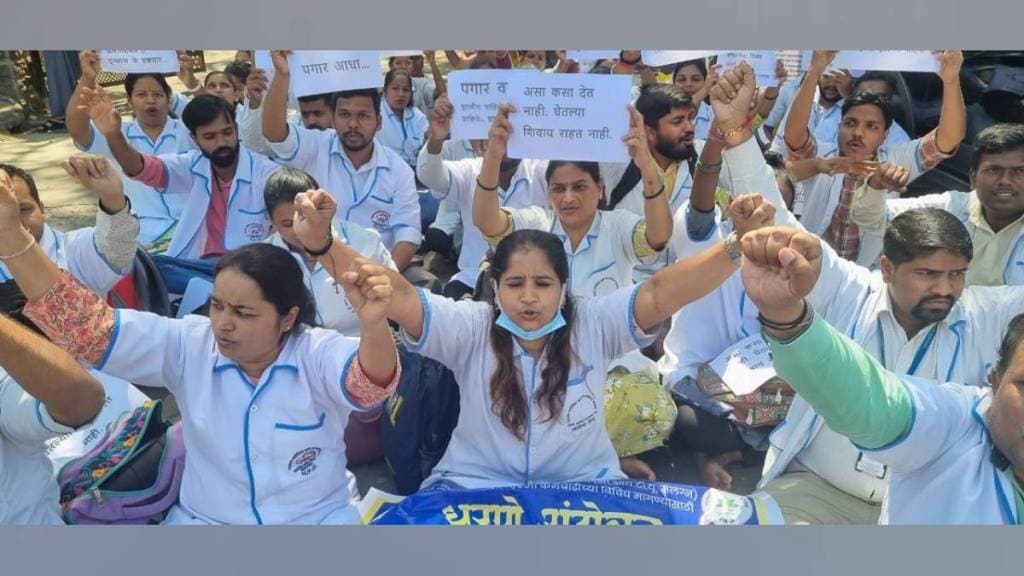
856,396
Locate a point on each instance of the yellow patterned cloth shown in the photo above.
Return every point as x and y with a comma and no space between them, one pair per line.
639,413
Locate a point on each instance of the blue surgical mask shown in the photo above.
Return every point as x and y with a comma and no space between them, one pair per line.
505,322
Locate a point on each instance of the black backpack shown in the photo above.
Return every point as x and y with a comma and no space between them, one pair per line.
418,419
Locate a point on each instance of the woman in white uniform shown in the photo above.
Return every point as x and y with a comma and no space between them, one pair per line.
692,78
151,131
403,126
603,246
264,397
531,363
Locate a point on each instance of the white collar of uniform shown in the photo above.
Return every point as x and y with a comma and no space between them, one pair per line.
338,150
133,130
588,240
286,360
407,114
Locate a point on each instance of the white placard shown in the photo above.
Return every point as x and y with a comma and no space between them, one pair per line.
762,61
887,60
585,55
570,116
397,53
792,60
121,397
666,57
263,61
475,95
322,71
745,366
139,61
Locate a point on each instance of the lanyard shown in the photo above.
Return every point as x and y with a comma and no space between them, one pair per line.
918,357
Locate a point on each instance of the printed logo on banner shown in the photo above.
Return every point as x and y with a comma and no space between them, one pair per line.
255,231
381,219
304,461
722,508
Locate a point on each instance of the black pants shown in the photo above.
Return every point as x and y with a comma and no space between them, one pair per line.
700,431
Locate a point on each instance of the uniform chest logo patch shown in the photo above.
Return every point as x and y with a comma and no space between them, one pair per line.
381,219
255,231
304,461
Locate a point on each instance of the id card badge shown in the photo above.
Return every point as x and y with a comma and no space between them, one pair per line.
870,466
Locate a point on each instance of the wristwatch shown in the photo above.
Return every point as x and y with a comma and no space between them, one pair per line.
732,247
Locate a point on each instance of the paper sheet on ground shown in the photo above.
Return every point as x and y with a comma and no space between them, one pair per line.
745,366
570,116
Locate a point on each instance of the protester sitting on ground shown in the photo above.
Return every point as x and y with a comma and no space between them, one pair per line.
425,89
98,256
521,184
333,309
605,246
373,184
866,120
273,456
955,452
222,182
993,212
403,126
44,393
151,131
554,431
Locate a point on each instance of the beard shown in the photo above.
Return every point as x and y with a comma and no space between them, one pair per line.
676,151
931,315
223,157
355,147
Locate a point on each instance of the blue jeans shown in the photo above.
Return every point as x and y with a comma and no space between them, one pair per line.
178,271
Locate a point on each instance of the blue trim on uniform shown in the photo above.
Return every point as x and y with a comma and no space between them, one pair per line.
505,198
955,329
601,473
39,418
1004,501
579,379
341,380
529,419
236,368
92,139
245,433
631,317
601,269
425,304
743,307
369,192
306,427
906,433
384,200
298,145
113,340
253,212
1009,258
241,175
